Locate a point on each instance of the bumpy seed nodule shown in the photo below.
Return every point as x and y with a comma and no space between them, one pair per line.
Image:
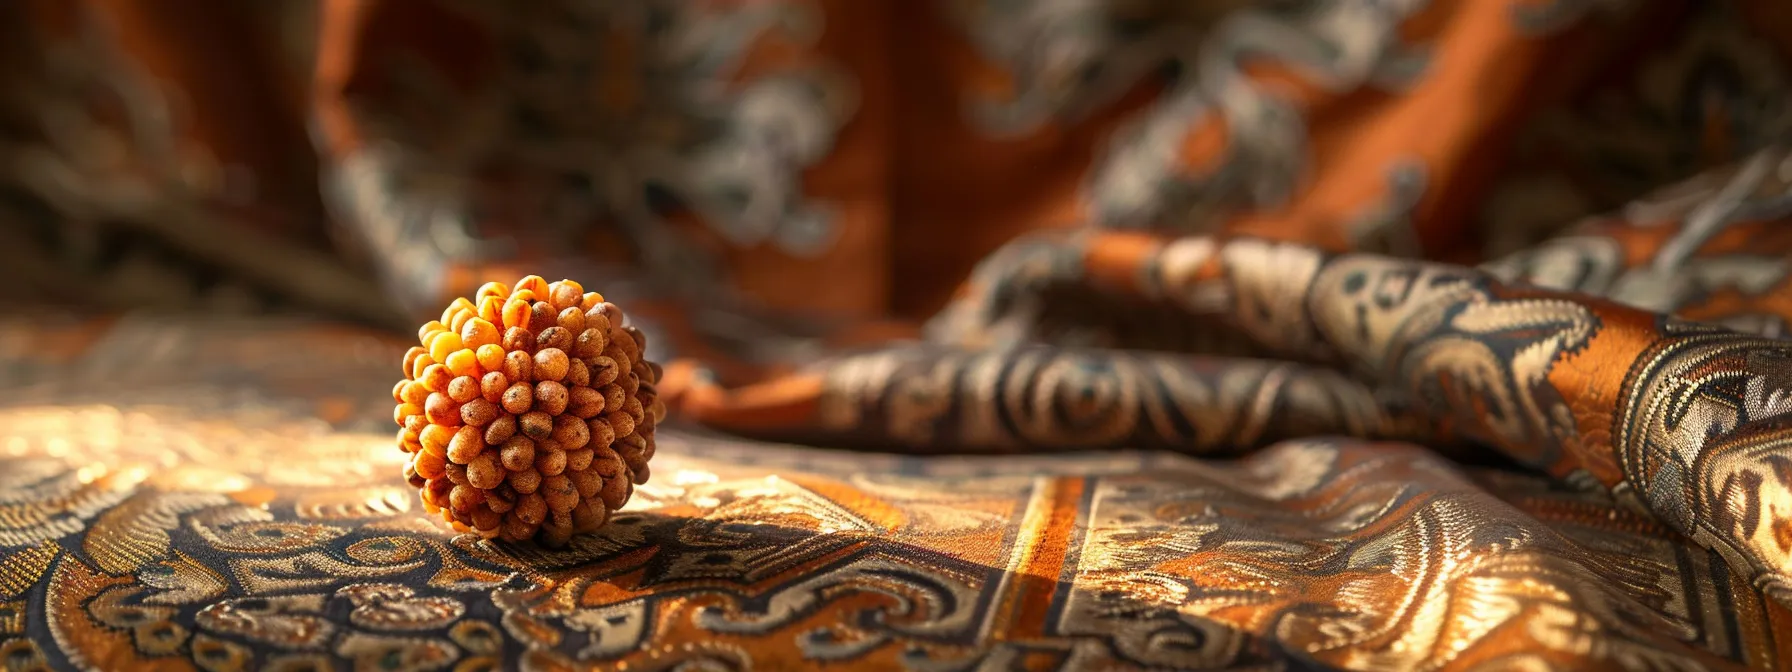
525,412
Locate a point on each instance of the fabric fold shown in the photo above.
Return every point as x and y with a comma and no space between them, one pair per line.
1687,420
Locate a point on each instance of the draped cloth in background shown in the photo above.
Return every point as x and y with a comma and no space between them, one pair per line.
1259,335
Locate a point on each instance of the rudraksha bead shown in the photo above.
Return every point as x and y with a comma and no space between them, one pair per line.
528,412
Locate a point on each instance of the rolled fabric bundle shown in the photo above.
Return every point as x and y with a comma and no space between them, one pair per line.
1688,421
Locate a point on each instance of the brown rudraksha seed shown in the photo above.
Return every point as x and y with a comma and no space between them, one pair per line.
528,413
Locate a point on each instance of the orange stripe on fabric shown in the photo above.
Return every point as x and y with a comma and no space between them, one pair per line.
1041,548
789,402
1114,259
1589,380
1772,647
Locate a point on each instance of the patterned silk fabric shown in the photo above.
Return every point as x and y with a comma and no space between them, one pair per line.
1021,334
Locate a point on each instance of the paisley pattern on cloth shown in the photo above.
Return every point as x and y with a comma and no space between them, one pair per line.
248,519
1047,335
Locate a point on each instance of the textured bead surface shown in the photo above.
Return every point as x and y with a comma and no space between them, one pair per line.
526,413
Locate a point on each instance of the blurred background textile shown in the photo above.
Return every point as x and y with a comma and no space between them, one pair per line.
1386,335
835,158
